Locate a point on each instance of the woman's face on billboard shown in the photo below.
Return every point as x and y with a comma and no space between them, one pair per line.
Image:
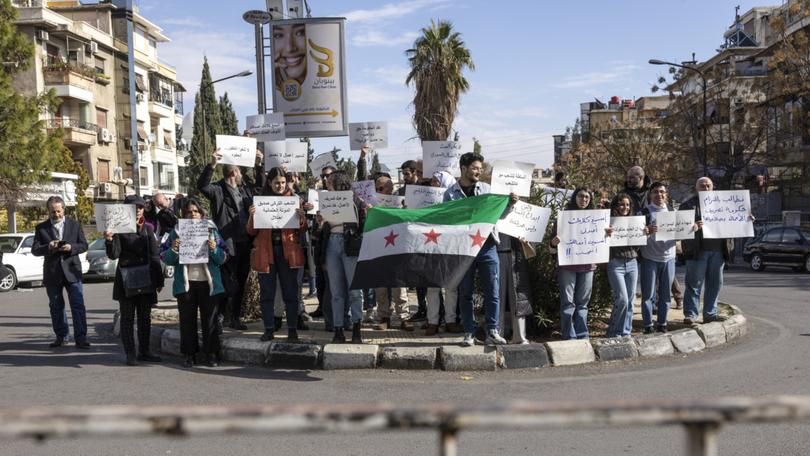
290,50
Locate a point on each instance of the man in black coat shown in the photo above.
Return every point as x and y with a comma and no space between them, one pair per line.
230,200
61,240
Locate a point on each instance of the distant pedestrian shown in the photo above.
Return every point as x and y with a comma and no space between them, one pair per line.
61,240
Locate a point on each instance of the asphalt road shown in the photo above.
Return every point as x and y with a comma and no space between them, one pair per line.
773,359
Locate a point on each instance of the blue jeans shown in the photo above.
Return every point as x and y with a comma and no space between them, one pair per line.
622,275
706,269
56,302
488,267
288,278
661,274
340,271
575,294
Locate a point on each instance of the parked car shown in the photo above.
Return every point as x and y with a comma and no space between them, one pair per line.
21,266
102,267
779,246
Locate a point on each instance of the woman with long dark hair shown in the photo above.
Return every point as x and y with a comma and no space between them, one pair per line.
576,281
138,280
622,272
197,286
277,254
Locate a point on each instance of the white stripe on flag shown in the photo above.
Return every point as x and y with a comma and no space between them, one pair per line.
412,237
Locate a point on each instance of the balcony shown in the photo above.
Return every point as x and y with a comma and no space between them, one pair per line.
76,132
161,105
70,80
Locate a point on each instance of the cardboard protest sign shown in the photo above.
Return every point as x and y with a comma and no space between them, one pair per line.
312,197
443,156
373,134
338,207
276,212
366,191
193,236
290,155
628,231
512,177
726,214
674,225
237,150
393,201
582,237
320,162
118,218
419,196
525,221
266,127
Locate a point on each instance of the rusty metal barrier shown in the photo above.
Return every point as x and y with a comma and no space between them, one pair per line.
702,418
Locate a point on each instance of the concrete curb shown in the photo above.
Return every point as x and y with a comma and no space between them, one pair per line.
244,350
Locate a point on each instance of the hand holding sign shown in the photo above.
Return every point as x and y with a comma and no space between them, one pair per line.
237,150
419,196
276,212
726,214
512,177
443,156
193,236
525,221
338,207
582,238
115,218
266,127
374,134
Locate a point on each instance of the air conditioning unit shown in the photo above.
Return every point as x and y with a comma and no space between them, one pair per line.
151,138
105,187
104,135
42,35
139,97
93,47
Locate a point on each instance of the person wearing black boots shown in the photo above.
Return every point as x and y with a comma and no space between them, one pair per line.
138,280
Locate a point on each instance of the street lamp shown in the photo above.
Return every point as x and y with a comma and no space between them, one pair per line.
202,105
703,78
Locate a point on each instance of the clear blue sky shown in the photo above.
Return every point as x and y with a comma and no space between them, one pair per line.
535,60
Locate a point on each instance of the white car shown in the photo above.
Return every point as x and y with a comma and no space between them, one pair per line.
20,264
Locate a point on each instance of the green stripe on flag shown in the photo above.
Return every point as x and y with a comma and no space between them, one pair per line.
475,209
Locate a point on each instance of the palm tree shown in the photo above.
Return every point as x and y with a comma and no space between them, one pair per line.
438,59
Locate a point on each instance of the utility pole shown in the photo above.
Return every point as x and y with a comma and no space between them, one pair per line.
124,11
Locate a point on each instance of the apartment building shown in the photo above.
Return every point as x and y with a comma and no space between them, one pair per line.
81,53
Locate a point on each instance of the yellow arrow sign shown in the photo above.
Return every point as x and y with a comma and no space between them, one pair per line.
332,113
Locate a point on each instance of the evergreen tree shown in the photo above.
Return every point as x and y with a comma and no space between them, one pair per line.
307,180
345,164
203,143
230,126
27,150
375,164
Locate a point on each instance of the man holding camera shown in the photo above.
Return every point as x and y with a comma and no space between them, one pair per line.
61,240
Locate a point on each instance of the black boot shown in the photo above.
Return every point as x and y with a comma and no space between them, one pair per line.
147,356
302,325
277,322
339,337
131,360
236,323
356,339
292,335
189,362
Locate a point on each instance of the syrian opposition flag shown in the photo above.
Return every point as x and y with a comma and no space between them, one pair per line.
428,247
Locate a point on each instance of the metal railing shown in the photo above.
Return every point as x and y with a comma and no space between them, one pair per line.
702,418
68,122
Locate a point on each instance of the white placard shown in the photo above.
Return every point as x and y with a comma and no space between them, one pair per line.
583,239
525,221
628,231
557,196
320,162
374,134
266,127
312,197
366,191
419,196
726,214
338,207
193,236
393,201
290,155
118,218
237,150
442,156
512,177
674,225
276,212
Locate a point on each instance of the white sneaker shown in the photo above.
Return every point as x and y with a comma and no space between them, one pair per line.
469,340
493,338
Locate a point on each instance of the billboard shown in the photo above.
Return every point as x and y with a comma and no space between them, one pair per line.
309,76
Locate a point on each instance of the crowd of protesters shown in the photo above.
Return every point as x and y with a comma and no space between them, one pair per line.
327,254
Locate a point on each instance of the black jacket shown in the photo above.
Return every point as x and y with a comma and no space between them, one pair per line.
320,237
692,247
229,221
135,249
639,195
60,267
515,287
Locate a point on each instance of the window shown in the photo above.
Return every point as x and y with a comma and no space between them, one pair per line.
103,170
773,236
167,139
28,243
791,237
101,117
99,65
144,176
53,54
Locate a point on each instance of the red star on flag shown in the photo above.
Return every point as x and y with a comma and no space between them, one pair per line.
477,239
433,237
389,240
